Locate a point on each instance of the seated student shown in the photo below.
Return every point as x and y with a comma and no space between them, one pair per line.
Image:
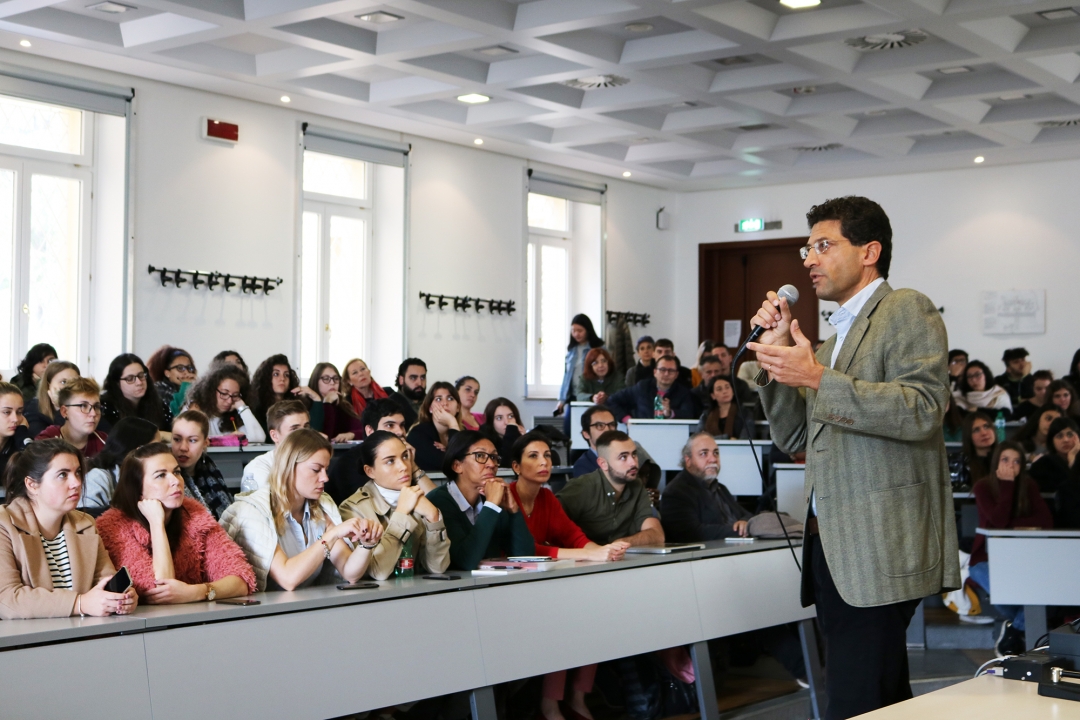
612,504
333,415
411,388
643,368
709,367
1063,396
283,418
173,547
220,396
977,391
747,394
32,369
202,479
595,421
359,388
229,357
704,350
44,409
436,424
347,471
291,531
13,433
407,517
666,348
695,505
502,426
722,418
1040,383
80,406
1055,468
1017,380
274,380
657,397
482,518
468,389
1006,498
958,360
52,561
557,537
1032,436
598,380
128,392
173,372
971,462
128,434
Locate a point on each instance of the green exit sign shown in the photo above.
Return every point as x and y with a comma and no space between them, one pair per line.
752,225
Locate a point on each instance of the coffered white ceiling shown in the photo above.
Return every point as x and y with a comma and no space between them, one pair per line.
699,93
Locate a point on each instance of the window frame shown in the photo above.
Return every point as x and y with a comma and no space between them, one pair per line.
536,237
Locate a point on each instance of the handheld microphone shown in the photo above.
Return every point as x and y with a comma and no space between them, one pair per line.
788,292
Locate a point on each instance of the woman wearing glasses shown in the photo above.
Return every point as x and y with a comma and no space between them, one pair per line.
977,391
80,406
44,410
331,412
220,396
171,369
436,424
128,392
482,518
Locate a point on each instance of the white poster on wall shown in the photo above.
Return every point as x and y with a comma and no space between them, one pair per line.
1014,312
732,332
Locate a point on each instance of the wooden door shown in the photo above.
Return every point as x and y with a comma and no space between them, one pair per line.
734,278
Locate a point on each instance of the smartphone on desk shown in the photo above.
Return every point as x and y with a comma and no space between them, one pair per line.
120,582
358,586
441,576
243,601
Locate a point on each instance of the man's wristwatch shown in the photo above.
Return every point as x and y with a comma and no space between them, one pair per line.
211,592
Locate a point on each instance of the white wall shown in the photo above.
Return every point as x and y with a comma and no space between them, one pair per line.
955,235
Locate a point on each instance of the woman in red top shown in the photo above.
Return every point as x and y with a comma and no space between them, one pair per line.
173,547
556,536
1007,498
359,388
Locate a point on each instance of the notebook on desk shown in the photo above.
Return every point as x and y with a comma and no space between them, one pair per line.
665,549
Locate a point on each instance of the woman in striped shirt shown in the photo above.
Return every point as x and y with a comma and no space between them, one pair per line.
52,561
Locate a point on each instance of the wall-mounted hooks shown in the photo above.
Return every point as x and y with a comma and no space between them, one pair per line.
466,303
212,279
613,317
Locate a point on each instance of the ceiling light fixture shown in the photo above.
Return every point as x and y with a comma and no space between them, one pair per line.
113,8
594,82
286,99
478,141
626,173
497,51
954,70
379,17
638,27
473,98
805,90
24,43
887,41
800,4
979,159
1059,14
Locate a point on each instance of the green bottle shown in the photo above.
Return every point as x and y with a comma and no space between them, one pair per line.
405,562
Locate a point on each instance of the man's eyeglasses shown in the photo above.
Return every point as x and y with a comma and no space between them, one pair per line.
482,457
132,379
183,368
86,408
820,247
603,427
330,379
228,396
667,370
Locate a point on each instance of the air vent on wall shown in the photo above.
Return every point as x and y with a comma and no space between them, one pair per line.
595,82
888,41
1074,122
817,148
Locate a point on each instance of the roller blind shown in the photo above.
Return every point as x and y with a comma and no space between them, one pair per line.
63,90
358,147
564,187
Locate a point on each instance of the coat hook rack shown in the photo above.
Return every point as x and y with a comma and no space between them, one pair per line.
466,303
198,278
613,317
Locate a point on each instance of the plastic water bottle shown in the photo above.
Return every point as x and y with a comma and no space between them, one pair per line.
999,425
657,407
405,563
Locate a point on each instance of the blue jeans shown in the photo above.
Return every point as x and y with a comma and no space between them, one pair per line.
980,575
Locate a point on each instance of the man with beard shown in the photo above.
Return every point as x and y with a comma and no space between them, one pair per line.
411,387
611,503
695,506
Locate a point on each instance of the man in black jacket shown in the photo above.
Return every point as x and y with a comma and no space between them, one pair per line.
695,506
676,400
411,387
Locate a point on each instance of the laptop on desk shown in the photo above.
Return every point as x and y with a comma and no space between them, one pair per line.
665,549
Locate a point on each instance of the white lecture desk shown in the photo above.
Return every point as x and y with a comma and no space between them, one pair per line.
320,652
1033,568
987,698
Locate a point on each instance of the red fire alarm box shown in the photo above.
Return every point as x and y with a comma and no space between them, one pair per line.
220,130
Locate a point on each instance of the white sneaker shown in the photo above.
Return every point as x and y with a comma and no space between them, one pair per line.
977,619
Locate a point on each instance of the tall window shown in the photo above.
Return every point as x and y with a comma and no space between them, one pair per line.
334,259
46,166
548,313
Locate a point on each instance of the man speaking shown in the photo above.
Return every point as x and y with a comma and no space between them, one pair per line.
867,410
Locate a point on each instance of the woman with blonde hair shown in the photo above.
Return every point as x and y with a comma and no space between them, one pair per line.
44,409
291,531
358,387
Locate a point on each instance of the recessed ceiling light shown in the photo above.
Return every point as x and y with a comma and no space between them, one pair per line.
800,4
979,159
114,8
1059,14
24,43
805,90
954,70
638,27
478,141
379,17
497,50
473,98
286,99
626,173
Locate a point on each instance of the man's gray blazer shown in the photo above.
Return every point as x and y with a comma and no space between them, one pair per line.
875,453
